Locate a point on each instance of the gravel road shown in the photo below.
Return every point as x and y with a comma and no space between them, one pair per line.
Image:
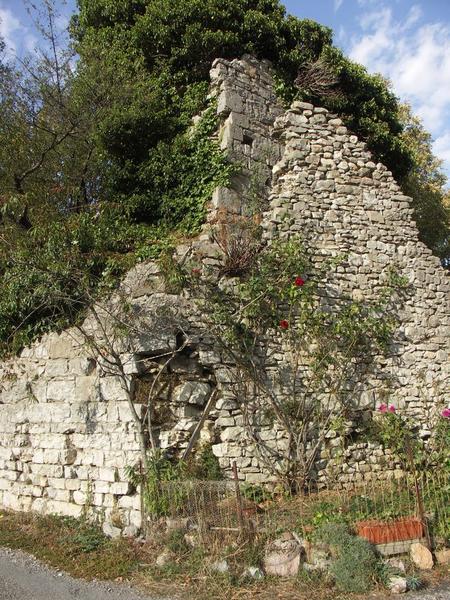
22,577
441,593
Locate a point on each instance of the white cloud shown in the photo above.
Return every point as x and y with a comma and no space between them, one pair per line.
10,28
415,14
442,146
17,36
337,4
416,58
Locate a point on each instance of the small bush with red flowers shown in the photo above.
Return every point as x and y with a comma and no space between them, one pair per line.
299,349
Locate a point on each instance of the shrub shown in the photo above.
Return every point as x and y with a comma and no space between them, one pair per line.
356,566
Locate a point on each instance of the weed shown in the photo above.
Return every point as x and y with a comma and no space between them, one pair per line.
176,542
256,493
414,583
87,538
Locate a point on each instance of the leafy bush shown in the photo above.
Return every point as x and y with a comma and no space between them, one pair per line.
356,566
50,276
158,501
206,465
96,174
278,304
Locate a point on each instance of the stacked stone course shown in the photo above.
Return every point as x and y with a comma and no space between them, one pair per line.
66,430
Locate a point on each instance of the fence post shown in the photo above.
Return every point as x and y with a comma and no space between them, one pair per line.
141,486
418,493
240,512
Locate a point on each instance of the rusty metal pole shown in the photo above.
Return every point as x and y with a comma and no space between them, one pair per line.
141,489
418,493
240,512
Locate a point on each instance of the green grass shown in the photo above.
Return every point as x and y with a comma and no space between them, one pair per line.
82,550
75,546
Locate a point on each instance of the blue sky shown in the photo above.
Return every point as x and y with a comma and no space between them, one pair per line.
406,41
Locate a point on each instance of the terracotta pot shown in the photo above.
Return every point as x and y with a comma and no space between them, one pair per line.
384,532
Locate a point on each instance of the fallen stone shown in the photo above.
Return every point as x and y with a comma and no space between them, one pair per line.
421,556
397,564
253,573
165,558
111,531
191,540
181,524
130,531
283,557
220,566
398,585
443,556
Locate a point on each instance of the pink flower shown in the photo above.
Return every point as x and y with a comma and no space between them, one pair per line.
391,409
299,281
446,413
383,408
284,324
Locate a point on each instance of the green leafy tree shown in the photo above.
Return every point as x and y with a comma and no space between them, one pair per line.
365,102
175,43
99,162
425,183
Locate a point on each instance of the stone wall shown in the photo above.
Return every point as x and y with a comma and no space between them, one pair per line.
66,429
65,433
247,106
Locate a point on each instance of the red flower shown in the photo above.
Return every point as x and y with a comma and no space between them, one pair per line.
446,413
391,409
284,324
299,281
383,408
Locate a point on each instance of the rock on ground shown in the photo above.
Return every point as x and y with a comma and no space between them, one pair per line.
421,556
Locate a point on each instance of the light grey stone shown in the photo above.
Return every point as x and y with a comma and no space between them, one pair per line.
253,573
165,558
398,585
220,566
192,392
283,557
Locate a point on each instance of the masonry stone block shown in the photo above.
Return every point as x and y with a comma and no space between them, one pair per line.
112,388
61,346
61,390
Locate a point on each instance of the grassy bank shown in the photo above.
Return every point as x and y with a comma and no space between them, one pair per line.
81,549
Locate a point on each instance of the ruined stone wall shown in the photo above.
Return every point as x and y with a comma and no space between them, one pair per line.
327,189
247,106
66,429
65,435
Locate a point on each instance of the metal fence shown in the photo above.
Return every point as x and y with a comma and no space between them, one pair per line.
419,507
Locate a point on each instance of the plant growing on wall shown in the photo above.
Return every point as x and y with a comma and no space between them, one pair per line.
299,348
401,434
